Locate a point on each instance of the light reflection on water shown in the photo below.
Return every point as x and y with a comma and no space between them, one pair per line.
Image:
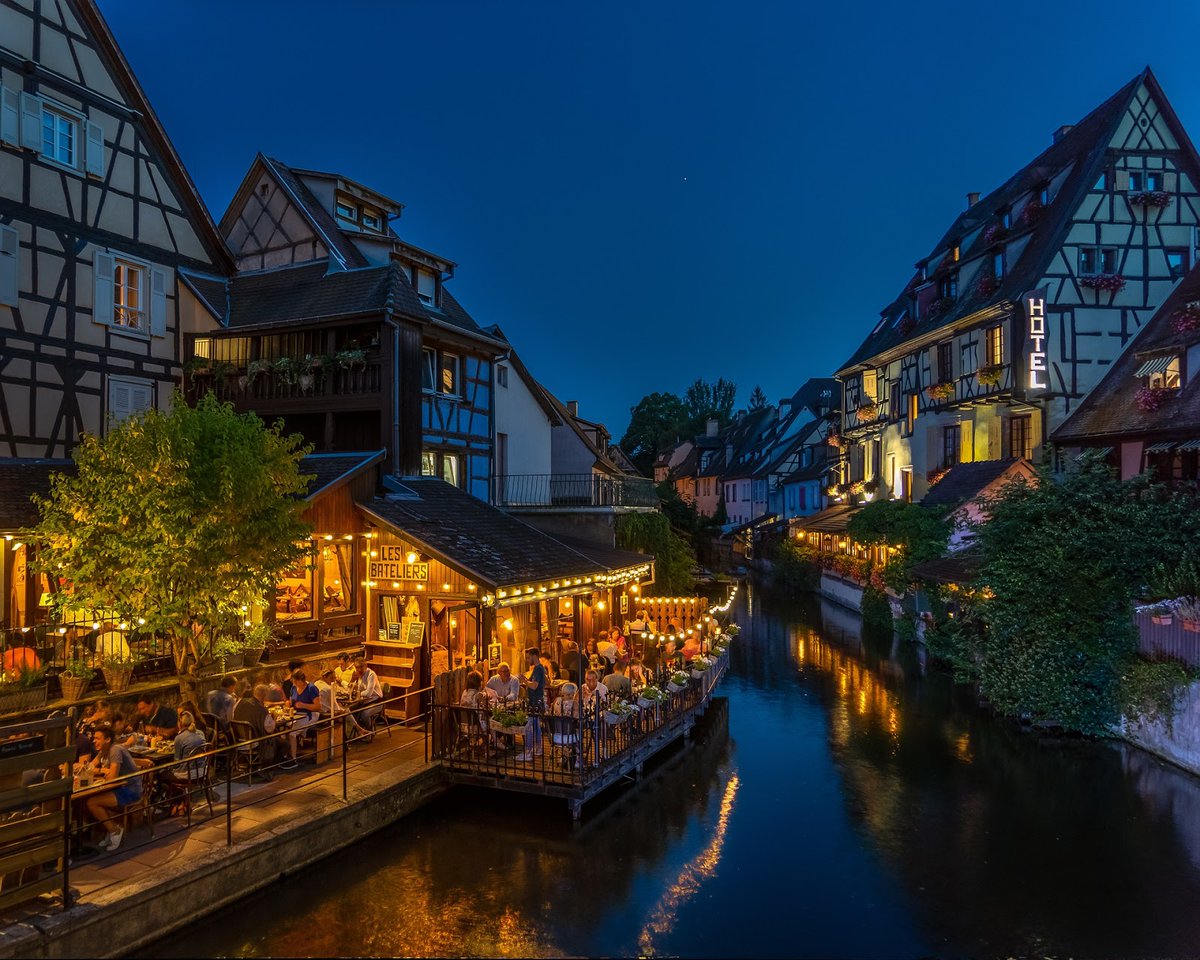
845,801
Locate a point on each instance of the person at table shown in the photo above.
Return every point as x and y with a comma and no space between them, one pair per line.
574,662
594,693
189,707
650,657
219,702
122,732
101,715
621,643
287,683
155,720
473,696
618,683
504,685
367,690
112,761
552,669
594,660
534,684
690,648
306,701
253,711
638,678
672,659
326,689
344,669
188,742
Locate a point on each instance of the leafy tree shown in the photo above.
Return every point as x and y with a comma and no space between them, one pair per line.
919,534
705,401
758,399
674,558
181,518
1062,560
654,425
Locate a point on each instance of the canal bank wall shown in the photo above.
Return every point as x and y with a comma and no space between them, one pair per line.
1176,739
150,904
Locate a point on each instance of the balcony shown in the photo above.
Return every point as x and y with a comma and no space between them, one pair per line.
583,491
266,386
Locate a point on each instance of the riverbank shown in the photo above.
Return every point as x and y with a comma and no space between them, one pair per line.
131,899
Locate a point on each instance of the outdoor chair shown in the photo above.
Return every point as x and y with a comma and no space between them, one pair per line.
247,756
564,739
143,807
471,724
189,779
381,717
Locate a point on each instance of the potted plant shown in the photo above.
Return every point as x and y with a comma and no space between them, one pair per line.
700,666
504,720
351,359
1149,399
258,368
1150,198
679,681
1161,615
1176,591
118,672
651,696
23,688
867,412
618,711
228,650
1187,318
1110,282
75,678
940,392
990,374
255,639
287,370
732,630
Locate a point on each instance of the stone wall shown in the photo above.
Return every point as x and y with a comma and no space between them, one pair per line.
1177,740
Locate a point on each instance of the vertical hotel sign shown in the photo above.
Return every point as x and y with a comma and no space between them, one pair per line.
1036,375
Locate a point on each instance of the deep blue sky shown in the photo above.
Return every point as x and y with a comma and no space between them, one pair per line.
644,193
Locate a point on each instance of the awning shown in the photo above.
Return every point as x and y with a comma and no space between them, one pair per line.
1093,453
831,520
1160,447
1155,365
1189,445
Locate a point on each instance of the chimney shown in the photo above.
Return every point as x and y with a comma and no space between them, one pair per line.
972,198
573,407
711,426
1062,131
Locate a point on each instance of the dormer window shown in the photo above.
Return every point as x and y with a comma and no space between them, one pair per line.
998,264
1044,194
347,212
427,288
922,274
954,252
948,289
1006,218
371,220
1164,373
359,216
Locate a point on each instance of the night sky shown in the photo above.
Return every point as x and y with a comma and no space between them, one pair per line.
644,193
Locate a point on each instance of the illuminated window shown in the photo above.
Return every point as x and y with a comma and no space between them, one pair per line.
995,345
428,463
914,407
448,382
1168,379
294,594
452,469
129,294
870,384
336,569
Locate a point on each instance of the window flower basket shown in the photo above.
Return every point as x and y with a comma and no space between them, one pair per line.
351,359
986,286
857,488
23,689
1032,212
867,412
940,305
651,696
700,666
990,375
1109,282
1150,198
936,474
994,232
1187,318
228,650
507,721
678,682
618,711
75,678
834,440
1149,399
940,392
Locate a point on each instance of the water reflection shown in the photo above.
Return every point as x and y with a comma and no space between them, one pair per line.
846,800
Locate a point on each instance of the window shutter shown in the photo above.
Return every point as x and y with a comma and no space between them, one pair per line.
967,453
10,116
158,302
118,400
95,150
141,397
1122,179
102,303
1170,179
10,249
31,122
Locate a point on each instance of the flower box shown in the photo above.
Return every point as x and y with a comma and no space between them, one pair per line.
22,698
116,679
1110,282
1150,198
675,687
867,412
1191,626
1150,399
647,704
940,392
73,688
699,674
1186,319
498,727
990,374
1161,619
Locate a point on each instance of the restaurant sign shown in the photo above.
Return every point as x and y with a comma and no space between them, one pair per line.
1036,368
392,564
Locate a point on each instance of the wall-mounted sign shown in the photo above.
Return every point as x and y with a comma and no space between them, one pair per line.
392,564
1036,368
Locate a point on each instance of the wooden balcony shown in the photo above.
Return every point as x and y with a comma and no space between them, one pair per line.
331,388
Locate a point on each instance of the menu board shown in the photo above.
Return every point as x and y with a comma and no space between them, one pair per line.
415,633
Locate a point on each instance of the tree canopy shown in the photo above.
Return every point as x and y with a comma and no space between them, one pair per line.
758,399
707,401
182,518
655,424
920,534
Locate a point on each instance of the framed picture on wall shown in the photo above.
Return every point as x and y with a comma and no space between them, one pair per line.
494,655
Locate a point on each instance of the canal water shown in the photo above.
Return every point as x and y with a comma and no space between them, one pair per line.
841,800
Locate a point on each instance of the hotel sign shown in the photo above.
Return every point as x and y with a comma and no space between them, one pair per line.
1036,369
392,564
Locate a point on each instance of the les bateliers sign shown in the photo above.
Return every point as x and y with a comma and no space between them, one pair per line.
392,564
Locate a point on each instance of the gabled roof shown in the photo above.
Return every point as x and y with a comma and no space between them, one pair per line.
572,423
328,471
485,543
156,134
967,481
958,568
20,479
1082,151
535,389
307,292
1109,409
814,471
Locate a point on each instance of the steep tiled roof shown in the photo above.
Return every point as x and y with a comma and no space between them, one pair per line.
958,568
308,292
20,479
611,558
329,470
966,481
480,540
212,292
1110,410
1081,150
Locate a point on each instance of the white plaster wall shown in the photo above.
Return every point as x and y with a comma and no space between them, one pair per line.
520,416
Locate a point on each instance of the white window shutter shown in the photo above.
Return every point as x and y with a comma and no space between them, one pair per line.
102,304
1170,180
141,397
1122,180
158,302
95,150
118,400
10,273
10,116
31,122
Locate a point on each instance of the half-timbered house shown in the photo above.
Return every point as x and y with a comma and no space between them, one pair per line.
100,227
1026,301
346,331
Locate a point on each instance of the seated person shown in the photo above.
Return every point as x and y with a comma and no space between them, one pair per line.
327,690
567,704
219,702
504,685
156,720
306,701
253,710
189,707
101,714
188,742
594,660
638,677
618,684
367,690
691,647
672,659
112,761
287,683
344,669
594,693
473,696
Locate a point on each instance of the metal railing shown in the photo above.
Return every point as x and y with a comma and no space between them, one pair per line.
573,490
568,751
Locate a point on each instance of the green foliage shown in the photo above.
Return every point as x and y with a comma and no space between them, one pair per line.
180,517
510,718
1062,559
758,399
918,533
1150,690
256,636
876,611
705,401
674,558
24,678
656,424
76,668
796,566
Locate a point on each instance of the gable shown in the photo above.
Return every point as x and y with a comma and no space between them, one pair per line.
266,227
1144,125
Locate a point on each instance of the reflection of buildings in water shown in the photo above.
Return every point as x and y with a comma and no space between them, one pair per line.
1169,792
